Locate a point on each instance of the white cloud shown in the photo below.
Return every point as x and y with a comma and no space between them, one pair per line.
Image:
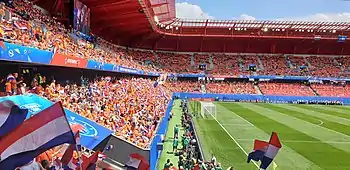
245,17
326,17
190,11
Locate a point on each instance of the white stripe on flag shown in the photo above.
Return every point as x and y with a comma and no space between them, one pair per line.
134,163
271,151
5,111
38,137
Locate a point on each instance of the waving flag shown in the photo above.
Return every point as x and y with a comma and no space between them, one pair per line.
68,161
10,116
265,152
137,162
272,150
41,132
260,148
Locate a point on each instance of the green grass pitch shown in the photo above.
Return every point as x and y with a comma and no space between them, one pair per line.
313,136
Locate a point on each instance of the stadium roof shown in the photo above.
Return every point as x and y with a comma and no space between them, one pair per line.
152,24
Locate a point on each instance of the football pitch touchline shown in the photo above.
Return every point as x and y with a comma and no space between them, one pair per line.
302,141
234,140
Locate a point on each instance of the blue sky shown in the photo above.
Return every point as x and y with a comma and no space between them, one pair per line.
330,10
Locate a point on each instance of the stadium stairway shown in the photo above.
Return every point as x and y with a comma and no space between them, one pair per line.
257,89
307,62
337,63
211,64
260,63
314,91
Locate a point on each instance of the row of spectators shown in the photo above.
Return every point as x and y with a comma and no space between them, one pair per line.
29,26
267,88
15,85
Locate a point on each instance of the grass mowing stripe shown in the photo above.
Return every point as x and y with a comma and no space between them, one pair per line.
247,132
330,110
215,140
345,108
321,133
269,120
320,115
311,118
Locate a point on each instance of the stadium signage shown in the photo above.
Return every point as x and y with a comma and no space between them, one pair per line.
71,61
128,70
68,61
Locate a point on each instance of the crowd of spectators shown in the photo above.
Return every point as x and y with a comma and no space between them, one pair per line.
288,89
183,86
333,90
230,88
29,26
131,107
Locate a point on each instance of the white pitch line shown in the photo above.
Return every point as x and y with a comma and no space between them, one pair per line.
302,141
234,140
321,122
232,124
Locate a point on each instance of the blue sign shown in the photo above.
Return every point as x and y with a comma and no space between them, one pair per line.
16,52
91,133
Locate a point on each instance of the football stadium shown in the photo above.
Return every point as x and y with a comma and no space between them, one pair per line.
130,85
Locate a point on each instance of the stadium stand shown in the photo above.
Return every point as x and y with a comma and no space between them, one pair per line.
273,65
139,105
294,89
332,90
230,88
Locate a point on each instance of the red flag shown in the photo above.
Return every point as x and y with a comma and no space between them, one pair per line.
90,161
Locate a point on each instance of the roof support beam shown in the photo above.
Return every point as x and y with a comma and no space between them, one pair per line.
109,3
160,4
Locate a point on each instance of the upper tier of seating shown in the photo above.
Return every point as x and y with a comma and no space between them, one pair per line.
29,26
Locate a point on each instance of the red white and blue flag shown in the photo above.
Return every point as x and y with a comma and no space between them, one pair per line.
43,131
10,116
265,151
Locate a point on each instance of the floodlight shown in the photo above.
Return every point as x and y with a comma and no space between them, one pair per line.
156,19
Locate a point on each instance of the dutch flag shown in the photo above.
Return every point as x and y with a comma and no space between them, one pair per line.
272,150
265,151
10,116
43,131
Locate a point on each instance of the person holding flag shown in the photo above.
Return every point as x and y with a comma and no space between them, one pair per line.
43,131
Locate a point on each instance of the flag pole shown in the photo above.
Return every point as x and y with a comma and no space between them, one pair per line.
78,151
